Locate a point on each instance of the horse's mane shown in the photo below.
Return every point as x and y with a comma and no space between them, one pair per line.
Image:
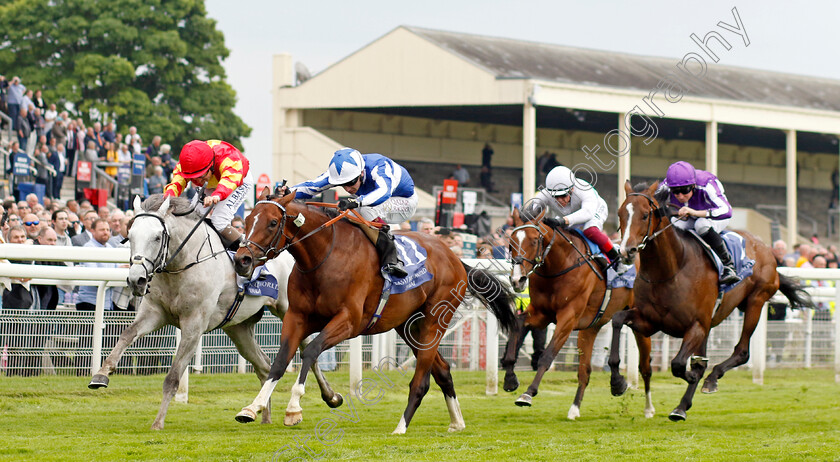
177,205
661,195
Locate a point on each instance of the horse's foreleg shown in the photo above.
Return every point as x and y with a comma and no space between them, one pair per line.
147,320
698,367
562,330
618,385
645,370
329,396
693,340
246,343
337,330
586,339
190,334
741,353
291,335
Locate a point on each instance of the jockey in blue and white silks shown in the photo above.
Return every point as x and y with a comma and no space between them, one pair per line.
703,207
381,189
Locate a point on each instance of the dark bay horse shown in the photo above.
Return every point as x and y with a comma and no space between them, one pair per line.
564,290
677,288
335,290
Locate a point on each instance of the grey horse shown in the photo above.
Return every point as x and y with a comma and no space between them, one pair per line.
194,291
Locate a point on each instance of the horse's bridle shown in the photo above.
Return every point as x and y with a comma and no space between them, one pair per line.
540,259
541,255
159,262
659,211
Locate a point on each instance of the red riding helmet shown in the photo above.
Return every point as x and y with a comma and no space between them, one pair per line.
196,157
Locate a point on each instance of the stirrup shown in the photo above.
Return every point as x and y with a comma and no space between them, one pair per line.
395,269
620,268
729,276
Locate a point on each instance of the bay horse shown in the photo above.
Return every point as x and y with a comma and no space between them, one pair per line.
677,289
567,291
193,290
335,290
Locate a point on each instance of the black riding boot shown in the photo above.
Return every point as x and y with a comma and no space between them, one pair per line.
231,238
714,240
388,253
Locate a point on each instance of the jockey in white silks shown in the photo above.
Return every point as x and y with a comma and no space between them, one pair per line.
575,203
381,189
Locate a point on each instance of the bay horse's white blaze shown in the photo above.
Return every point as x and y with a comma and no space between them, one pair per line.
574,412
626,233
256,221
456,420
649,410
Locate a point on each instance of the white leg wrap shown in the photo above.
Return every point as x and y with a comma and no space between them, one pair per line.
649,410
456,420
574,412
298,390
400,430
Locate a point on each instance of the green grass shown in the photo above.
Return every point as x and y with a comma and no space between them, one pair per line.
795,416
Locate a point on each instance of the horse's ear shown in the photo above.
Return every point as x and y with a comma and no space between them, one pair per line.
138,205
290,196
265,192
165,206
652,189
628,188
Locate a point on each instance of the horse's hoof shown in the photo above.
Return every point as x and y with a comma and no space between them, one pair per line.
456,428
336,401
618,387
157,426
709,387
574,412
293,418
677,415
511,383
98,381
524,400
246,416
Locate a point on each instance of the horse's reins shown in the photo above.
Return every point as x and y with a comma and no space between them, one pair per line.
539,260
660,213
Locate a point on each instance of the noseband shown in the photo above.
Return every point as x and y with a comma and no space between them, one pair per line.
275,240
542,253
159,263
659,211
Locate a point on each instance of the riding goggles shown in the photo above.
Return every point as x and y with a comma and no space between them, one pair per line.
682,189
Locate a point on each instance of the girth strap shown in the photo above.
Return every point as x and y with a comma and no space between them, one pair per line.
237,302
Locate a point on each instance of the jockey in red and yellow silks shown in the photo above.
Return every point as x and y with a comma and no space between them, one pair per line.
223,171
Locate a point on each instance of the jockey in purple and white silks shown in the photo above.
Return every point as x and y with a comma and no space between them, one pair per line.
701,199
381,189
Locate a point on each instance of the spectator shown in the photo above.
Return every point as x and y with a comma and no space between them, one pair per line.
75,225
487,155
486,179
823,309
116,228
59,163
129,139
48,294
87,221
104,212
14,98
166,160
427,226
18,297
42,175
124,154
108,134
238,223
779,251
23,128
461,175
36,119
87,294
91,153
38,100
806,253
60,223
32,225
152,151
835,190
157,181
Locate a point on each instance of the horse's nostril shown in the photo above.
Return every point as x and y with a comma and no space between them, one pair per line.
245,261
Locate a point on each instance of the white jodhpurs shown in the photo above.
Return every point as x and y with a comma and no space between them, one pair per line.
224,211
393,211
701,225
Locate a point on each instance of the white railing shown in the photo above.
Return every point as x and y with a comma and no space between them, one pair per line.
804,342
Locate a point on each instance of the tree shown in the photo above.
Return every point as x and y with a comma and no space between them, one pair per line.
155,64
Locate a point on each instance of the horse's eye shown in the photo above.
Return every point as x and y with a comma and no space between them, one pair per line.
645,216
273,223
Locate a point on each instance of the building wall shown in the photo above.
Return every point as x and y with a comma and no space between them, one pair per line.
429,140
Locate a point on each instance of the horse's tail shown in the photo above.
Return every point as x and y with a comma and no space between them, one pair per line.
794,292
497,297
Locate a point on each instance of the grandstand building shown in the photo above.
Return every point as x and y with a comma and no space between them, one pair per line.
432,99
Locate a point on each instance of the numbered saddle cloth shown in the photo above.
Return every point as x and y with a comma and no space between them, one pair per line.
737,248
413,257
614,280
261,284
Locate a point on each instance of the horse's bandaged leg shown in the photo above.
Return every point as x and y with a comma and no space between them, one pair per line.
456,420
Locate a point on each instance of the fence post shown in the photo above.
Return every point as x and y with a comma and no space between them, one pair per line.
758,348
664,361
98,329
475,339
241,364
837,332
183,393
355,363
492,330
632,359
198,367
809,336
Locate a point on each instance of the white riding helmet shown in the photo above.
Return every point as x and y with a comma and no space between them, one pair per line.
559,181
346,165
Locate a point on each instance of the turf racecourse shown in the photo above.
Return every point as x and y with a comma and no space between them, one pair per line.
795,416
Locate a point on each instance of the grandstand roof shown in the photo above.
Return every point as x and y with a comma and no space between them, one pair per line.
517,59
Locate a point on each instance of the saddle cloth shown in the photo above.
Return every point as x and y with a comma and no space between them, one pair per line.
737,248
614,281
261,284
413,257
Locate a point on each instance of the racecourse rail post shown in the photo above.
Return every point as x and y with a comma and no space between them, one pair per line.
632,360
758,347
183,393
837,334
98,329
809,337
355,363
492,356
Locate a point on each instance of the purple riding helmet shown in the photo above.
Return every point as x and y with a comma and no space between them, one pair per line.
680,174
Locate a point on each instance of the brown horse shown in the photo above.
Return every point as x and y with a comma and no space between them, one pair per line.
569,292
336,288
677,289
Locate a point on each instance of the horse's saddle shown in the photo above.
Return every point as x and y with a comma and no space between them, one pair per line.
614,280
737,248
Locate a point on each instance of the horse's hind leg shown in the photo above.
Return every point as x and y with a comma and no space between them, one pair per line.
586,338
645,370
191,331
741,353
148,319
246,343
698,367
641,327
562,330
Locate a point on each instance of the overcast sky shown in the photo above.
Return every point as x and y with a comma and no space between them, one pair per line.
795,38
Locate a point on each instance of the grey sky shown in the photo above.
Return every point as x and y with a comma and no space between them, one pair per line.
786,37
